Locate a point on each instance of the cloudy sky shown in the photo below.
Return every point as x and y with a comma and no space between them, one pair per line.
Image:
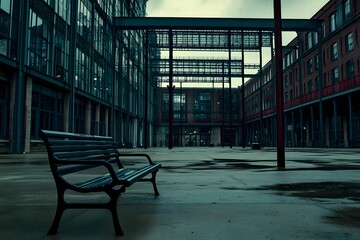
232,8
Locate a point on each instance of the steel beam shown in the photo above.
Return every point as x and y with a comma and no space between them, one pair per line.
138,23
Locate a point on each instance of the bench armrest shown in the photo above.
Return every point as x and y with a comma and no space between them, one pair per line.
91,162
137,155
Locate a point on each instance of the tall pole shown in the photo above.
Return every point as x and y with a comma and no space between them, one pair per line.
279,86
171,89
181,114
223,108
261,133
243,90
146,86
229,76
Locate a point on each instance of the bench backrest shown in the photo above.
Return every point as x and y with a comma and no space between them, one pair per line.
72,146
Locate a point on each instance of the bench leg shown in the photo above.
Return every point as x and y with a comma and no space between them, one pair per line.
55,225
59,211
153,181
113,209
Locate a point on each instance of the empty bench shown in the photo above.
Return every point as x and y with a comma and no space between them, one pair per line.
73,159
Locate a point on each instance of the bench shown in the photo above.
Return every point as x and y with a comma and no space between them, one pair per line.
72,159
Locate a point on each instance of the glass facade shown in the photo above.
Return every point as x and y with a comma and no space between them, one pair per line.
78,74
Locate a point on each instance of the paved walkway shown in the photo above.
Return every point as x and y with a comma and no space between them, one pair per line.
206,193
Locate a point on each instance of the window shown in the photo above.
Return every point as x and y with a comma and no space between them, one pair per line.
317,83
309,41
61,56
310,86
335,75
5,5
202,106
312,38
179,106
347,8
84,19
5,24
47,110
333,22
350,70
99,33
334,51
62,7
349,42
286,80
82,68
39,50
309,66
315,38
317,62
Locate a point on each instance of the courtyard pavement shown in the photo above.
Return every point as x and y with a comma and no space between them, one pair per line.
205,193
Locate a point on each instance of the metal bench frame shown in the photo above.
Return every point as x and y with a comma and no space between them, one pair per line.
69,153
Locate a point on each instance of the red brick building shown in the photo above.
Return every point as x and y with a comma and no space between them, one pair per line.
321,78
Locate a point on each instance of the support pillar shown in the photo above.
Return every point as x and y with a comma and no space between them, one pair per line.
279,85
181,118
229,76
28,102
171,89
321,110
223,108
97,119
243,129
146,90
88,117
261,133
107,113
17,85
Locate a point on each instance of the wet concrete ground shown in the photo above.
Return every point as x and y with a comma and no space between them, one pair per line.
206,193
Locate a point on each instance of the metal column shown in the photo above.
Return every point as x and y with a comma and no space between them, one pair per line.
229,76
279,85
223,108
171,89
17,130
146,90
181,113
72,57
243,91
321,110
261,134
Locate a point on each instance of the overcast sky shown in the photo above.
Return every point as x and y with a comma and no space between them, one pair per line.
232,8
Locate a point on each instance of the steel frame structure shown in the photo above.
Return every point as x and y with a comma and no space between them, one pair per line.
215,34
